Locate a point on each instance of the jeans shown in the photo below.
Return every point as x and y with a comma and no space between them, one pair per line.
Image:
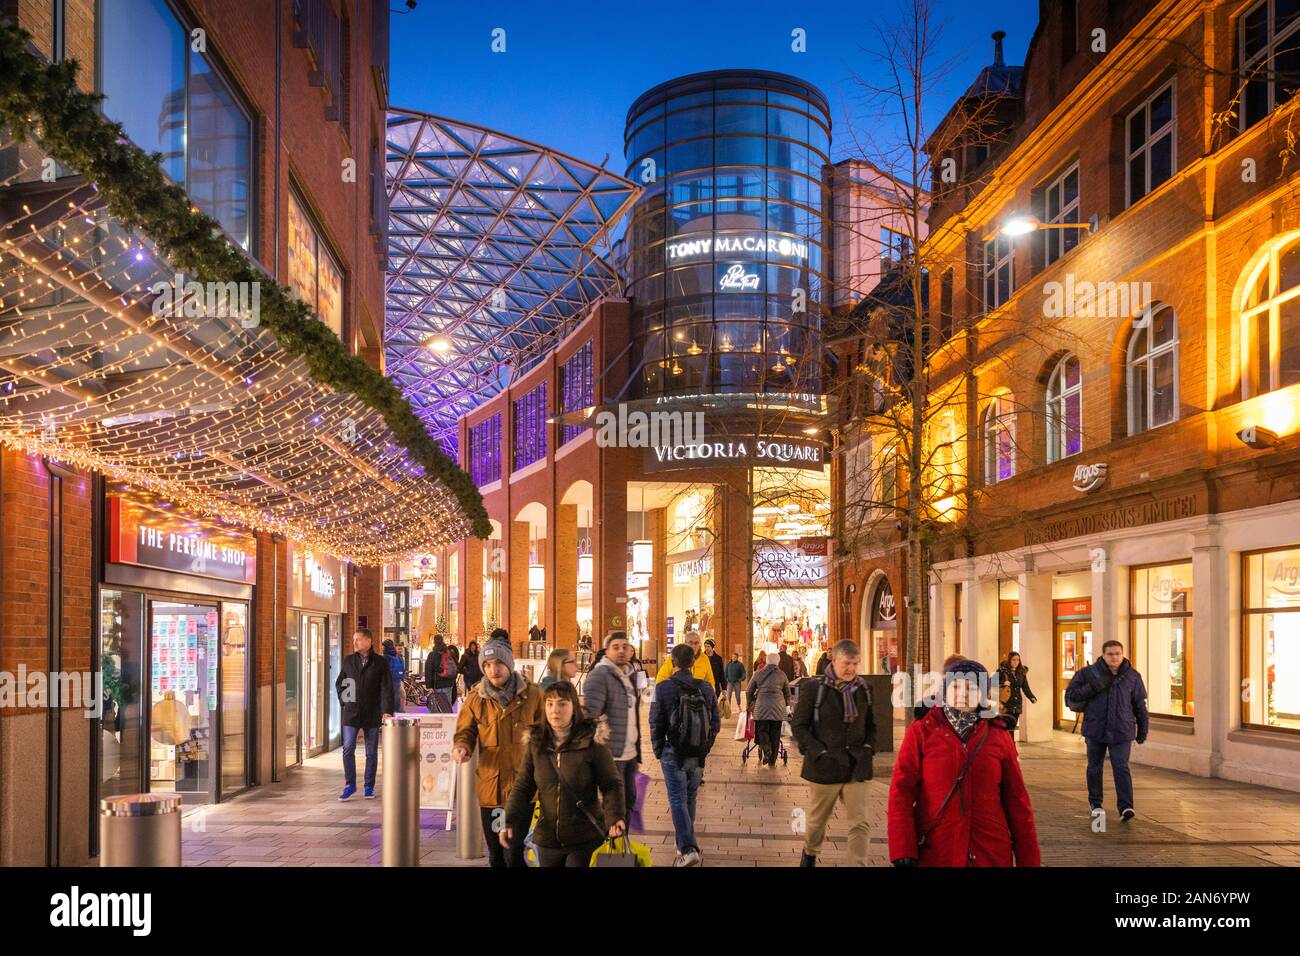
733,690
682,780
350,755
494,818
627,770
1119,768
580,855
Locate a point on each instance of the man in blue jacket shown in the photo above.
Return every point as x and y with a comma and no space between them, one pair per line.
1113,699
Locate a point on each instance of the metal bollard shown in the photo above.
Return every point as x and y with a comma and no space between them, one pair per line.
140,829
469,825
401,826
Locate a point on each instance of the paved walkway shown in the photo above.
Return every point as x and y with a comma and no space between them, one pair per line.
747,816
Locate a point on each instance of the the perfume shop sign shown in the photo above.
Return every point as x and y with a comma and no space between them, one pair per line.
138,534
776,565
1112,519
752,451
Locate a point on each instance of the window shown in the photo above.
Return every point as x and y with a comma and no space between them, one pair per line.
174,102
999,442
1271,639
485,451
530,428
1150,152
576,392
887,481
314,274
895,249
1153,370
1065,410
945,306
943,456
999,271
1161,630
1268,49
1270,321
1060,204
1069,28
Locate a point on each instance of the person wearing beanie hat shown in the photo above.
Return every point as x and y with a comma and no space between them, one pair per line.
957,796
495,717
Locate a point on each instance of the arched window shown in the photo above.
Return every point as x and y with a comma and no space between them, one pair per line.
1270,321
1153,370
999,442
1065,410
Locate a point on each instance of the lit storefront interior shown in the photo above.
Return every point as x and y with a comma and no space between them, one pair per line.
314,653
1271,639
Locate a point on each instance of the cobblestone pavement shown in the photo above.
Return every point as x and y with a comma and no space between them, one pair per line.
746,815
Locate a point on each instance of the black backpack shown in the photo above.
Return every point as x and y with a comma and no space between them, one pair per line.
688,728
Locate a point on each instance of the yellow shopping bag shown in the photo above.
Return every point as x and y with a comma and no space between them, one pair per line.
621,852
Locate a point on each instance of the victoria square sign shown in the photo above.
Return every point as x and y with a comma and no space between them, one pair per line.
751,451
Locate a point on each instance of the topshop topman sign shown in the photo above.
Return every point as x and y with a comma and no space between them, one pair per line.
782,247
752,451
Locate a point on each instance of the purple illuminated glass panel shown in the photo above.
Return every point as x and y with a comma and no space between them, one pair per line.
485,451
530,428
576,389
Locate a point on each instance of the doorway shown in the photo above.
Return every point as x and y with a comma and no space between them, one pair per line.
315,673
1072,650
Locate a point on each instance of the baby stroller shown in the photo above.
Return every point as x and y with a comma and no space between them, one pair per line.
751,744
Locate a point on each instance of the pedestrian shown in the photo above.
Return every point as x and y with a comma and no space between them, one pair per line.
440,671
560,665
494,717
1113,699
1013,686
365,689
610,693
769,705
836,731
925,702
684,722
822,661
957,797
566,761
798,667
700,666
735,675
718,666
398,668
786,662
469,668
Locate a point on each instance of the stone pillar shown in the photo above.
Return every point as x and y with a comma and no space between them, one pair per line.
971,620
1216,670
517,584
370,601
562,580
1036,637
732,564
470,599
940,621
1106,602
609,547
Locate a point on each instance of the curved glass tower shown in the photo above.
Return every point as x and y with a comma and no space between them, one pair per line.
728,268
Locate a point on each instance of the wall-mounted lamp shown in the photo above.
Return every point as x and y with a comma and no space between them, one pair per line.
536,577
1023,223
1257,436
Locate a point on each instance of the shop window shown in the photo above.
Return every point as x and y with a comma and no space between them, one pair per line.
485,451
174,101
999,442
1059,203
1271,640
1160,623
576,389
1150,150
886,655
314,274
1270,321
1065,410
999,271
1268,51
1152,377
530,428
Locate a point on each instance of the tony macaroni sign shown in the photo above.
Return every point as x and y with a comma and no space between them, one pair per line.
758,244
750,450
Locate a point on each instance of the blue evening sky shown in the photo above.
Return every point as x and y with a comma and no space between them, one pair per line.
571,69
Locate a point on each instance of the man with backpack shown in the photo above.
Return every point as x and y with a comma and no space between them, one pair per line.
837,737
684,721
440,676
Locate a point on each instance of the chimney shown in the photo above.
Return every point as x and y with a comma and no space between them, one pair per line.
998,37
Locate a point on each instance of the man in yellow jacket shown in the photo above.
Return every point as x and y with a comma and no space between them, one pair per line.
701,669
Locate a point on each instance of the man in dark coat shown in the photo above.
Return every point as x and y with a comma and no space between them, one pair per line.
365,689
1113,699
837,737
719,667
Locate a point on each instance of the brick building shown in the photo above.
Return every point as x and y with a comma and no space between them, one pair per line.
1125,344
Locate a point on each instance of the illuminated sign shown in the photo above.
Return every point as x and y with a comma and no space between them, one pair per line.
738,277
778,566
684,572
777,452
317,581
139,534
782,247
1088,478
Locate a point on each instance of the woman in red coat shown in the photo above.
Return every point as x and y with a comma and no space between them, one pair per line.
988,820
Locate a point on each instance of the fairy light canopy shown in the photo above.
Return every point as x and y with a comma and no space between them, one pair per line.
495,248
110,361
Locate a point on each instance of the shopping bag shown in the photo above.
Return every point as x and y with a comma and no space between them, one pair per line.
749,726
726,708
740,725
635,818
530,848
621,852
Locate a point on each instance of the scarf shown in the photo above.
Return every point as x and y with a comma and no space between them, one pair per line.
505,694
560,736
846,689
962,722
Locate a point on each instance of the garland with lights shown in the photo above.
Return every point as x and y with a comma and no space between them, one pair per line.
44,100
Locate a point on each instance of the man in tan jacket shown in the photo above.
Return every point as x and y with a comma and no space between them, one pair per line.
495,717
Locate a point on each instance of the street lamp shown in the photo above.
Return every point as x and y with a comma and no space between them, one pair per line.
1023,223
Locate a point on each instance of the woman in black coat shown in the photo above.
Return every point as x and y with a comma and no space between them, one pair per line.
1014,675
566,762
469,667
